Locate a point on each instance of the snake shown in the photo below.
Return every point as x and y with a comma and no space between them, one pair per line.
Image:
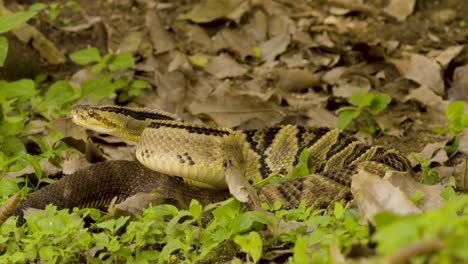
184,160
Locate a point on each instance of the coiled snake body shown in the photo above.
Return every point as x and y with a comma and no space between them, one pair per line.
201,155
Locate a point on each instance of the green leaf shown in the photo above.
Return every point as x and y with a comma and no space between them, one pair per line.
338,210
122,61
195,209
379,103
257,52
20,88
85,56
357,97
61,93
8,187
302,168
198,60
346,116
98,88
250,244
3,50
416,196
438,130
455,110
14,20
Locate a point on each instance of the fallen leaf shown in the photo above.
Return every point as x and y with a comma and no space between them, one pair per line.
448,54
433,151
257,26
228,39
135,204
161,40
423,70
274,47
223,66
427,97
400,9
460,173
373,194
458,90
210,10
292,80
430,193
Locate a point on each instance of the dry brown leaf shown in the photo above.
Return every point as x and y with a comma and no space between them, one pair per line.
210,10
131,42
161,40
400,9
223,66
458,89
292,80
434,152
228,39
195,36
427,96
460,173
319,117
257,26
135,204
274,47
430,193
372,194
228,108
293,60
423,70
448,54
71,162
279,25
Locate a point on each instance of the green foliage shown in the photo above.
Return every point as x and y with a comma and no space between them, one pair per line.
107,80
428,175
368,104
455,119
12,21
395,232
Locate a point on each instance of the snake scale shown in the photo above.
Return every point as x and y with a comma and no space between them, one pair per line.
197,156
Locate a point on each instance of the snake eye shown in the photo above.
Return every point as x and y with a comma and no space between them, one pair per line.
90,112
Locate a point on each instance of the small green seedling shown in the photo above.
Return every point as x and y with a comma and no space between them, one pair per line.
455,119
428,175
362,103
107,81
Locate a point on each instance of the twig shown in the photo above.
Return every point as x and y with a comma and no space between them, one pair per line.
421,247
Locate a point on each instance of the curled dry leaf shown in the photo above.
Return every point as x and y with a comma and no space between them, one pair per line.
210,10
400,9
257,27
224,66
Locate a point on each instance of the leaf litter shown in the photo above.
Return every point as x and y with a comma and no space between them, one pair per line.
251,64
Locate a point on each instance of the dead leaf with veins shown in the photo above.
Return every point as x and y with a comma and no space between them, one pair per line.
210,10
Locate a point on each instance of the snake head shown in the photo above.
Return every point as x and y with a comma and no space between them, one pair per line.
125,122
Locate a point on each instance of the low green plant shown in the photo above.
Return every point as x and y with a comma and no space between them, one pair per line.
455,119
12,21
54,10
428,174
107,80
455,123
364,105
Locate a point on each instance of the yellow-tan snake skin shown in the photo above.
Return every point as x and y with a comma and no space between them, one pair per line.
200,155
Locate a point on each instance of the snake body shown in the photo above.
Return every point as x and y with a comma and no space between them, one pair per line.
201,155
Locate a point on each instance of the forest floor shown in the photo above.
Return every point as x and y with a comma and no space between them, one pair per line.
253,64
